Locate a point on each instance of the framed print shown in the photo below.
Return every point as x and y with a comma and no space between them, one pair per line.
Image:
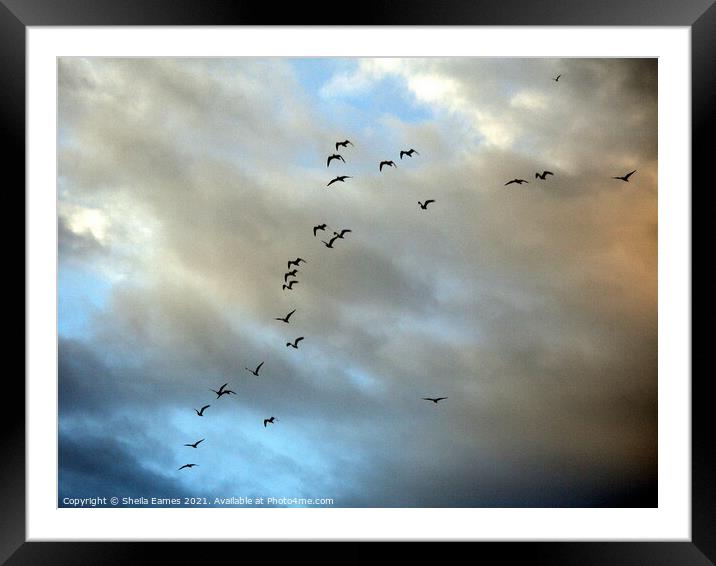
422,276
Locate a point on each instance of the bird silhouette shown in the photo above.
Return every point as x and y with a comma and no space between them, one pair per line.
295,342
334,156
543,175
200,412
342,233
518,181
625,178
556,79
290,285
223,391
296,262
319,227
196,443
409,153
387,163
329,244
291,273
255,371
341,178
188,466
434,399
285,318
343,144
424,205
267,421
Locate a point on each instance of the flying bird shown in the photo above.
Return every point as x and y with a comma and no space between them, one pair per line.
625,178
556,79
434,399
196,443
255,371
295,342
424,205
342,233
188,466
334,156
223,391
330,243
319,227
285,318
290,285
518,181
271,420
291,273
341,178
296,262
387,163
200,412
343,144
409,153
543,175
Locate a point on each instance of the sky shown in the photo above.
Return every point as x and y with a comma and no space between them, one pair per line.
185,186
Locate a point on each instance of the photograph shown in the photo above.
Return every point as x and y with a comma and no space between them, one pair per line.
357,282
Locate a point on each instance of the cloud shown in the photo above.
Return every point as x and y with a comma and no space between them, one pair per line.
188,184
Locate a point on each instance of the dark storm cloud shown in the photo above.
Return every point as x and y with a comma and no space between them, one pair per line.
532,308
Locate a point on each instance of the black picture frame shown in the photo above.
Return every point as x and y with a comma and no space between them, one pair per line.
17,15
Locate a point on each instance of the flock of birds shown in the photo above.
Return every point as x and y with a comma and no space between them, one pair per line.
340,235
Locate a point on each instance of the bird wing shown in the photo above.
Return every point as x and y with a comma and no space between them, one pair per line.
440,398
427,202
298,339
381,165
258,367
548,173
199,441
289,314
403,153
629,174
328,161
332,181
222,387
265,421
510,182
205,407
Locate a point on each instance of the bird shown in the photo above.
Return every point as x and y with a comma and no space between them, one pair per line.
424,205
295,262
543,175
409,153
291,273
329,244
188,466
341,178
319,227
342,233
223,391
271,420
196,443
295,342
285,318
625,178
200,412
290,285
556,79
255,371
518,181
334,156
434,399
388,163
343,144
